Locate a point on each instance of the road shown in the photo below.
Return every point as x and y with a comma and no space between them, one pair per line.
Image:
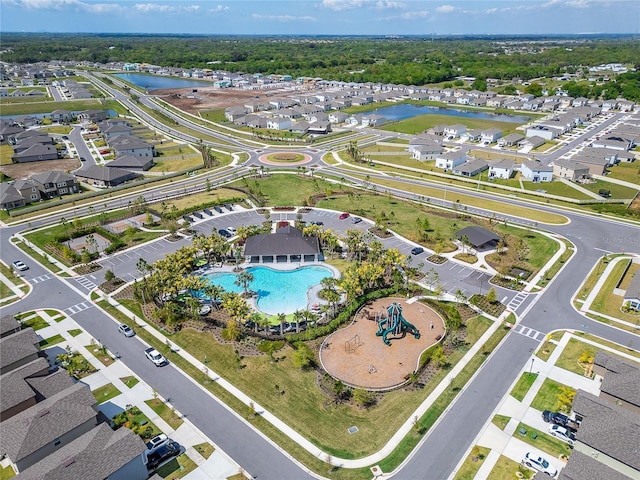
449,439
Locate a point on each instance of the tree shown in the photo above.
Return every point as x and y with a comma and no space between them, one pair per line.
491,295
244,279
232,331
109,275
303,357
282,319
363,398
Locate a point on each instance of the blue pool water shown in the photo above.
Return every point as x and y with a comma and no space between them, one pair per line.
408,110
278,291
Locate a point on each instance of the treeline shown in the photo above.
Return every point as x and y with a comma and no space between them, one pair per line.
407,61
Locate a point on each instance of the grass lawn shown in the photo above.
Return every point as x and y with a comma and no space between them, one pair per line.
555,268
177,468
36,323
557,188
523,385
217,195
617,191
629,172
6,473
285,190
175,165
589,284
544,442
420,123
547,397
48,107
505,469
102,356
163,410
130,381
204,449
572,352
546,350
500,421
47,342
373,149
61,129
6,152
472,464
485,155
607,302
606,343
106,392
75,332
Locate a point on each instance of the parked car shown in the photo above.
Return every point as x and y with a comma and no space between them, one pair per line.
417,250
317,223
225,233
168,450
126,330
356,220
217,209
232,229
82,159
20,266
536,462
343,216
559,419
228,207
156,357
562,433
156,441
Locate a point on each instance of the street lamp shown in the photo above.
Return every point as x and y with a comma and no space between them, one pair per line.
531,369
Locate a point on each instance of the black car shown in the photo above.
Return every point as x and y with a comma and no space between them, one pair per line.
417,250
317,223
225,233
559,419
162,453
217,209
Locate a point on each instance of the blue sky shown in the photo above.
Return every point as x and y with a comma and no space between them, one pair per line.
341,17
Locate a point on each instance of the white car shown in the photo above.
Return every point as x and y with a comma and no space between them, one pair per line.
539,463
157,441
156,357
232,230
20,266
561,433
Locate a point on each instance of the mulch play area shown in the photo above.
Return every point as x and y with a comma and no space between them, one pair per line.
359,358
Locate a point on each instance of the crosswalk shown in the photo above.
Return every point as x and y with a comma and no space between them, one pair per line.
78,307
517,301
40,279
529,332
85,282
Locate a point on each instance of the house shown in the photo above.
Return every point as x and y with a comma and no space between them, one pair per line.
372,120
112,131
61,116
450,160
471,168
105,176
502,168
531,142
478,237
131,162
621,378
454,131
55,183
632,294
426,152
490,135
10,197
536,172
354,120
278,124
597,159
18,349
233,113
299,127
421,140
319,128
472,135
27,142
510,140
573,171
616,143
35,153
92,116
132,145
544,131
337,117
8,326
287,244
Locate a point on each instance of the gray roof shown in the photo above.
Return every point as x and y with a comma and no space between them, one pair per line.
49,385
128,141
608,428
286,241
130,161
15,389
502,163
98,453
9,193
537,166
53,176
8,324
30,430
18,346
633,290
583,467
38,149
622,379
571,165
97,172
478,236
472,166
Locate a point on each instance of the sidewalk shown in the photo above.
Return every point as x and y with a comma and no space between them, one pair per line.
217,467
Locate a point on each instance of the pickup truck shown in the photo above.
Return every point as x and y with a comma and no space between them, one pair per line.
560,419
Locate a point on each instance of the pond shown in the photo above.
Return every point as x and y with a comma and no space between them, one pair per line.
408,110
155,82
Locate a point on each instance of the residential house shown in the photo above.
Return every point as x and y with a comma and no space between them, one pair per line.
299,127
10,197
131,162
632,294
105,176
61,116
9,130
9,325
472,135
450,160
471,168
278,123
454,131
544,131
372,120
354,120
337,117
233,113
536,172
531,142
614,143
319,128
18,349
621,378
426,152
569,170
502,168
28,189
112,131
55,183
490,135
36,153
25,143
597,159
92,116
132,145
424,140
495,102
510,140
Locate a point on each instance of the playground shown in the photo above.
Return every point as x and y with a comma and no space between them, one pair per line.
382,345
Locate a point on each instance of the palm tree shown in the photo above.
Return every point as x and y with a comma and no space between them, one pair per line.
243,280
282,318
214,292
297,317
257,320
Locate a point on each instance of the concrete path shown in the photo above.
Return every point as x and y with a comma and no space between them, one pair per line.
580,188
618,182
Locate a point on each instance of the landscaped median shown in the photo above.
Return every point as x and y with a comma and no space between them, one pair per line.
335,419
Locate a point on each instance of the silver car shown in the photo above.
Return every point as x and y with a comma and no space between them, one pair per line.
126,330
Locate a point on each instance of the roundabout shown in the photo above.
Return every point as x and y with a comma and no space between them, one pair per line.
285,159
371,354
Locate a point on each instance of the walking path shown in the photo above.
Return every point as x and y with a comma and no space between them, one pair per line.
218,466
580,188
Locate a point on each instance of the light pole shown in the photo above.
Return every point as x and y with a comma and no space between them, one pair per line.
531,369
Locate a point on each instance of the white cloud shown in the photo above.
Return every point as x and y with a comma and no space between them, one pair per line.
76,5
218,9
340,5
446,9
388,4
283,18
164,8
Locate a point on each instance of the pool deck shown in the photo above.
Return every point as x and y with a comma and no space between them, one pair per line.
312,294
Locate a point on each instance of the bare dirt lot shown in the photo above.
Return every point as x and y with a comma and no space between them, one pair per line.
210,98
23,170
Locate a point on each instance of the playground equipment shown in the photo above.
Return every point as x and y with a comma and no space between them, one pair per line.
352,344
394,323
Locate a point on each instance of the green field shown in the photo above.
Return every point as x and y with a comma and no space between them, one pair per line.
48,107
416,125
524,384
617,191
629,172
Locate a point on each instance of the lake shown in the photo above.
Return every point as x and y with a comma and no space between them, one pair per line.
155,82
408,110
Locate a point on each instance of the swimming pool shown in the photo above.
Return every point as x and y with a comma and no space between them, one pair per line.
278,291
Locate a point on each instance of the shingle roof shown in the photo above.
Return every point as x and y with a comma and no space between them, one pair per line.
98,453
39,425
286,241
53,176
8,324
49,385
37,149
105,174
608,428
478,236
622,379
18,346
129,161
502,163
583,467
633,290
9,193
15,389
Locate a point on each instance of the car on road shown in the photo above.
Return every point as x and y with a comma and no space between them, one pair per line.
156,357
356,220
539,463
82,159
316,223
343,216
225,233
156,441
164,452
417,250
126,330
562,433
20,266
